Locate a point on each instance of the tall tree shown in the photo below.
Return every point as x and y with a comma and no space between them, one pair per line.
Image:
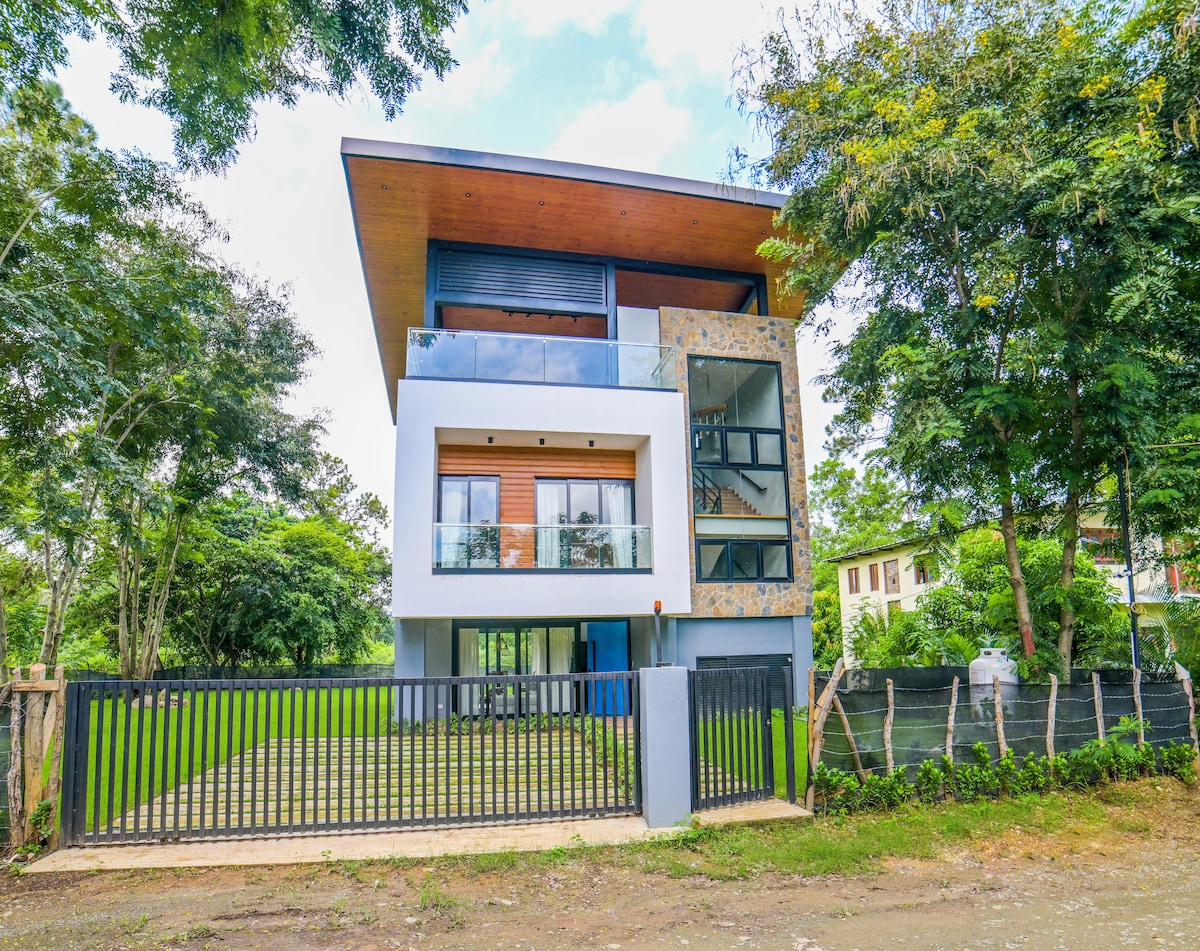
1016,186
208,67
140,372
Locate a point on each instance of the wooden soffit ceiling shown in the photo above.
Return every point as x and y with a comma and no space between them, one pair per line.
402,196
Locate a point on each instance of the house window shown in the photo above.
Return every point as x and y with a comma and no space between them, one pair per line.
873,572
922,572
593,521
893,608
852,579
739,475
742,560
891,576
468,534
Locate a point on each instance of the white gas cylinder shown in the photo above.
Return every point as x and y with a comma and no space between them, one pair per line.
992,661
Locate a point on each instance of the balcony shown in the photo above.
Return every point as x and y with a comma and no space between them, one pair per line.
526,358
551,548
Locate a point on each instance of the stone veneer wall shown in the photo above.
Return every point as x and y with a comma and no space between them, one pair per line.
745,336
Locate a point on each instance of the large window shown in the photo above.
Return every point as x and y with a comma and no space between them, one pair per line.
739,472
593,523
468,517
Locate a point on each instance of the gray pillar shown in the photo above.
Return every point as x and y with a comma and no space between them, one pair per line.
666,746
802,657
410,662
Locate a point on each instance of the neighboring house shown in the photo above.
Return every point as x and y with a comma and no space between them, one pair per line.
891,577
594,413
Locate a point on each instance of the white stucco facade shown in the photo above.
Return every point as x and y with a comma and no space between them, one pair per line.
649,423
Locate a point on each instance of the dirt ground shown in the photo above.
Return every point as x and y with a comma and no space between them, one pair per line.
1080,888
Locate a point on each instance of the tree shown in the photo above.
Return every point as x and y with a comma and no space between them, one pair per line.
974,607
847,513
207,67
1016,186
142,374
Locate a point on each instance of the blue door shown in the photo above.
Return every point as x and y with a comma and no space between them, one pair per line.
608,649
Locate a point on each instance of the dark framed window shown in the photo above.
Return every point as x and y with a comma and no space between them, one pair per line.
468,531
852,580
873,571
739,472
743,559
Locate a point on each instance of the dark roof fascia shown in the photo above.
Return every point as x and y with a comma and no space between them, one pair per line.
573,171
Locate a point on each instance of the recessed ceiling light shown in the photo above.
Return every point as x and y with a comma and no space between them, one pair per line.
468,194
384,187
695,221
541,203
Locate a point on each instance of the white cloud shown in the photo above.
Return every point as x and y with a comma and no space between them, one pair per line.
636,133
482,74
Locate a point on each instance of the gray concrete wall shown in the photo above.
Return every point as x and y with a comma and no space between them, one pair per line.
666,746
707,637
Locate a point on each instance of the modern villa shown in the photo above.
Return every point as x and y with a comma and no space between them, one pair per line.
596,397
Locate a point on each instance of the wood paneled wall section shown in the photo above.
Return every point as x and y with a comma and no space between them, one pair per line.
519,466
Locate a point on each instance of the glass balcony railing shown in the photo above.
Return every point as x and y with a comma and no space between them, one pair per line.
541,547
525,358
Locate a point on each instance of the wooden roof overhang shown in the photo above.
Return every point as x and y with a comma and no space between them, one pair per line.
402,196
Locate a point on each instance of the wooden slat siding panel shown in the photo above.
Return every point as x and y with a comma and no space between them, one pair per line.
519,467
399,205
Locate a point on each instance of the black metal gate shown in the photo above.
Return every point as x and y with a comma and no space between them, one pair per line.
169,760
733,729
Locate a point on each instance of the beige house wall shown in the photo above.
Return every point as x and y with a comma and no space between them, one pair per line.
747,337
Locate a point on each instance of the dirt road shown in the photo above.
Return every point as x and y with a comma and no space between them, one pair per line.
1131,885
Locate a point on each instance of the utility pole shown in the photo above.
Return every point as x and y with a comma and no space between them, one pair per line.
1123,492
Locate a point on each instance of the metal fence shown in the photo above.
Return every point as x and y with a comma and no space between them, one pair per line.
155,761
733,744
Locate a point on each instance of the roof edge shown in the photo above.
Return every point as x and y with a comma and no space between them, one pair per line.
498,162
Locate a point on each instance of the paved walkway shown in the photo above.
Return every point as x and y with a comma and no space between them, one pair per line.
414,843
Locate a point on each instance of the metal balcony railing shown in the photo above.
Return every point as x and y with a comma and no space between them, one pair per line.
525,358
541,547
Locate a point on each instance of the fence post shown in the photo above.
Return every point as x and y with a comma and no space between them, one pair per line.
950,719
1051,710
789,735
16,788
666,746
816,726
1000,740
1137,707
841,712
1099,701
887,727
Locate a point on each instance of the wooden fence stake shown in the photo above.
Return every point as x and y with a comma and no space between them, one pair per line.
1099,700
1187,687
816,726
1051,710
16,789
56,736
887,727
1137,707
837,705
1000,740
950,719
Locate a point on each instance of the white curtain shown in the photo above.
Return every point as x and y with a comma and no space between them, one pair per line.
468,666
616,512
562,647
537,651
551,510
454,514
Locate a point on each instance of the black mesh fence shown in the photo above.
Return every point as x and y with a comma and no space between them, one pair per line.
921,713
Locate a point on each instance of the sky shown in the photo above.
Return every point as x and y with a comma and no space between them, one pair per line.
645,85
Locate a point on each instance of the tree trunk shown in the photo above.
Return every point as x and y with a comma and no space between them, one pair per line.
1016,577
1066,613
3,640
1070,526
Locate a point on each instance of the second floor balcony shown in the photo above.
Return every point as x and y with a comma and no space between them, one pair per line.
527,358
541,547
